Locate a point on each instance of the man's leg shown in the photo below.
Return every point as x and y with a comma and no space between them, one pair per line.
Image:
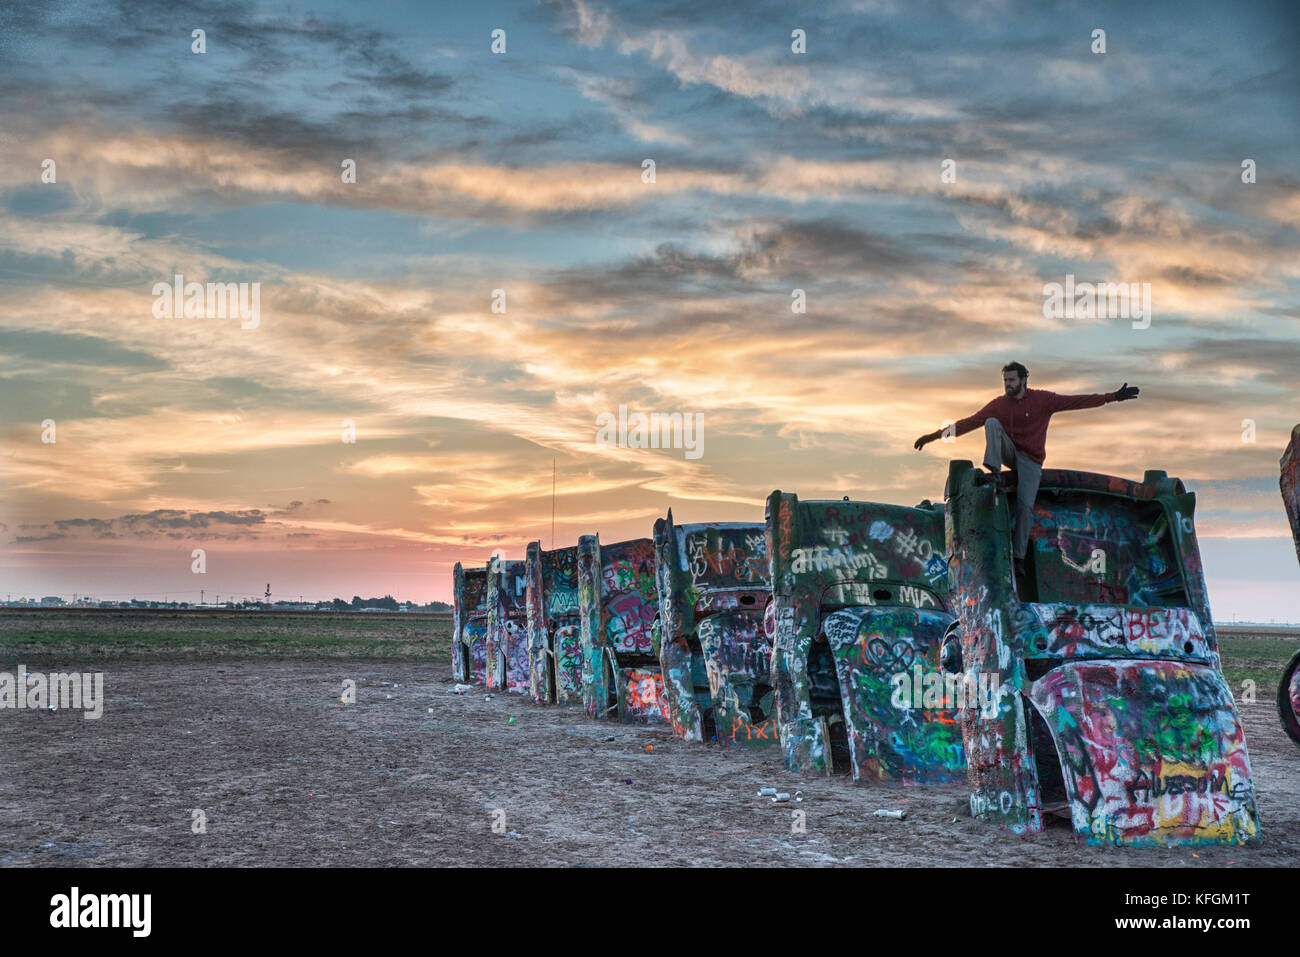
999,450
1028,475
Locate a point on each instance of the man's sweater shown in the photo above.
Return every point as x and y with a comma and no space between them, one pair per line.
1025,419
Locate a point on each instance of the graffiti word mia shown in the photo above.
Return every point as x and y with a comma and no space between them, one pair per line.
1101,300
657,430
213,300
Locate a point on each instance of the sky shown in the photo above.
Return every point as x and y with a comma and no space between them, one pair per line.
503,271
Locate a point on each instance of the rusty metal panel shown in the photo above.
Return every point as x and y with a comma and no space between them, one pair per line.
1152,752
618,612
554,646
507,631
827,556
1109,636
714,586
469,624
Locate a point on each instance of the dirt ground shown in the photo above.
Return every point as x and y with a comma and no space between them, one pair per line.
286,774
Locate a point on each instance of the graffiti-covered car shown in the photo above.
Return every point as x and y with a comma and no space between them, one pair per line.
469,624
714,587
1288,690
507,632
554,640
860,606
1111,698
619,608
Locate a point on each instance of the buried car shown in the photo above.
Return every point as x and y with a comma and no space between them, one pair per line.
1111,698
554,641
1288,690
507,645
860,595
714,586
469,624
618,610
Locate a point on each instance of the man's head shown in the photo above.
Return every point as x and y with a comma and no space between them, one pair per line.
1015,378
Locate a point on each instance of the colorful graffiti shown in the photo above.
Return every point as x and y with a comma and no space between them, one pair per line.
508,662
873,647
828,556
469,625
1152,752
554,648
1092,546
706,571
1090,687
627,580
618,627
737,654
641,696
1089,631
1105,650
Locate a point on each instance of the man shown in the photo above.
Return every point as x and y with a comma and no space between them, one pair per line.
1015,434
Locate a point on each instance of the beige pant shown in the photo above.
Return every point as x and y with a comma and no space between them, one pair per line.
999,450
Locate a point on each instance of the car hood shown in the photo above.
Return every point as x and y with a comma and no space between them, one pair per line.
1151,751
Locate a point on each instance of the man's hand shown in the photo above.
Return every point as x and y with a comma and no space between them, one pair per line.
925,440
1126,391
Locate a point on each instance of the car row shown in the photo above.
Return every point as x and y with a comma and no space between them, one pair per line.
898,645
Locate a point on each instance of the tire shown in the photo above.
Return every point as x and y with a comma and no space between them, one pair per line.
1286,707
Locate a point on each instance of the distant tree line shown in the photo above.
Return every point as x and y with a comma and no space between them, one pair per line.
388,602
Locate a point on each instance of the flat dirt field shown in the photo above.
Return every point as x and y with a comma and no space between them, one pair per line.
412,774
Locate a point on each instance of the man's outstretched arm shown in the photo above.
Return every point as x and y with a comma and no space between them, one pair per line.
1064,403
960,427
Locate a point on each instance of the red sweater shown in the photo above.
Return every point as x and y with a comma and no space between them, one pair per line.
1025,419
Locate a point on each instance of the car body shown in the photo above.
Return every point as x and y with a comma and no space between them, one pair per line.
714,586
860,596
1288,690
469,624
554,629
507,633
619,608
1112,702
1289,483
